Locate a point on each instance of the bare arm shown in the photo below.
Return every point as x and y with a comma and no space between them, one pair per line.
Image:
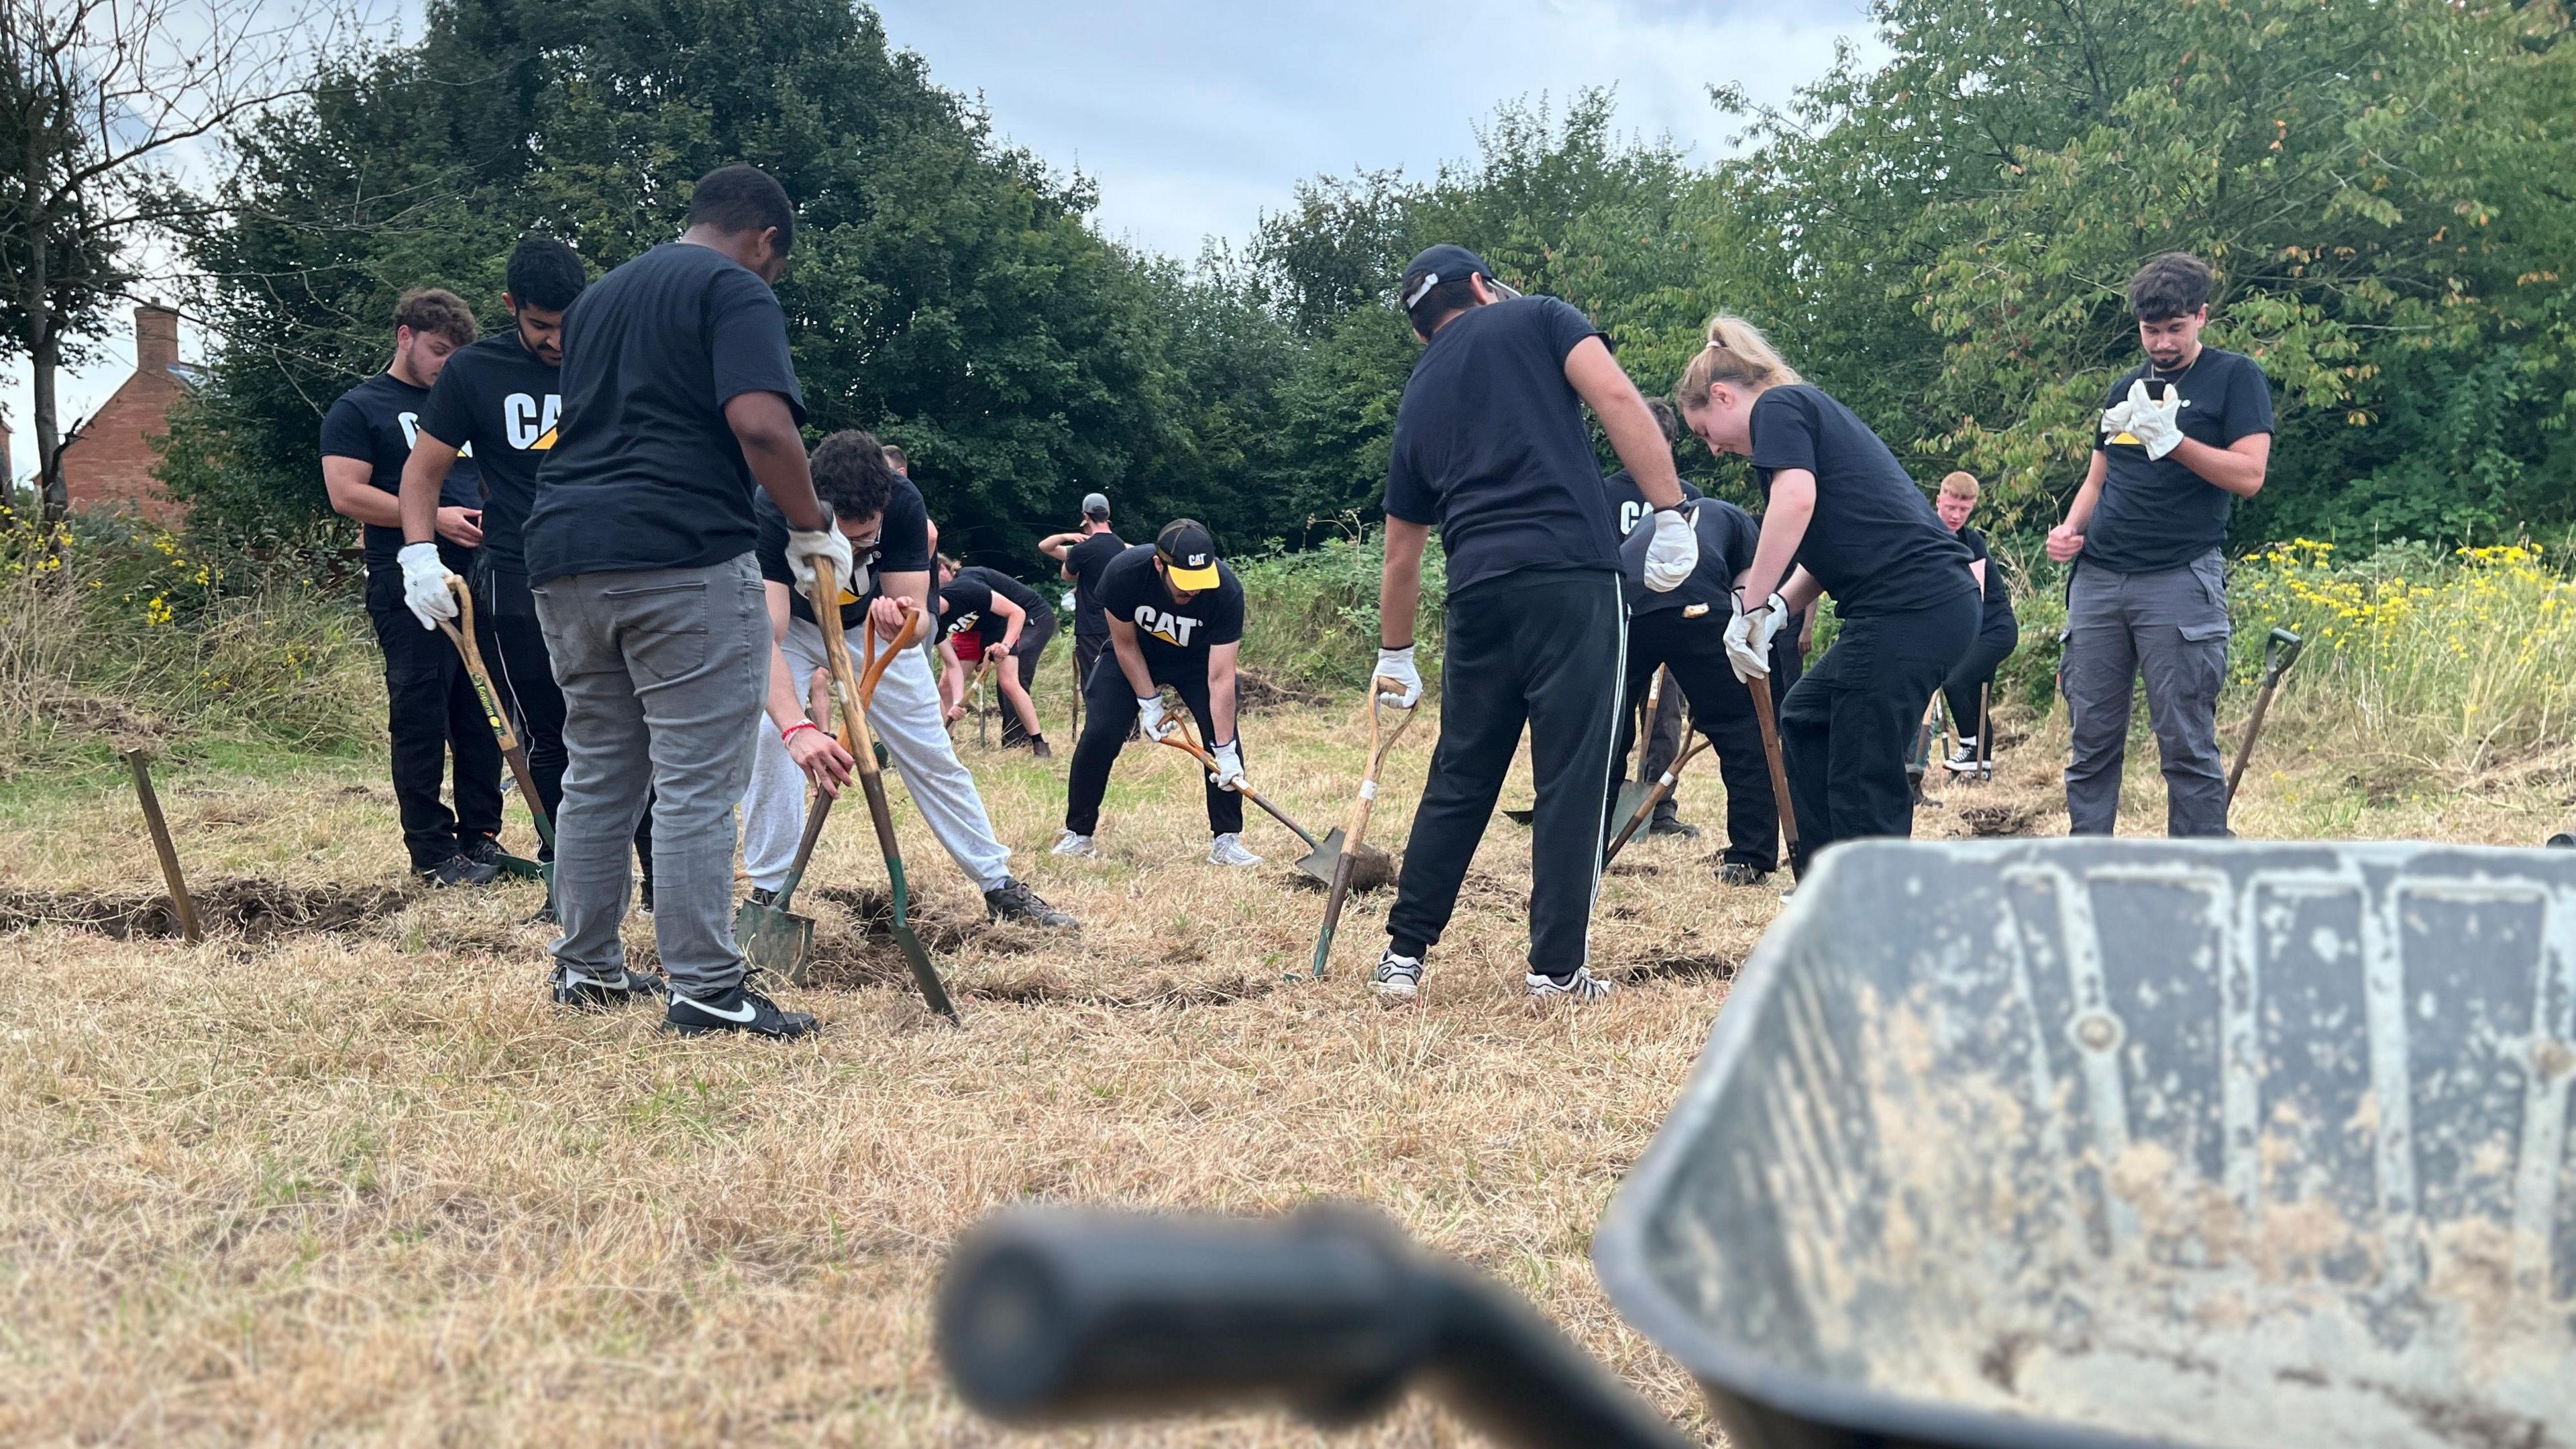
815,752
352,496
1399,589
1603,384
2238,467
1784,526
1057,545
2066,540
1221,693
424,473
1013,617
766,430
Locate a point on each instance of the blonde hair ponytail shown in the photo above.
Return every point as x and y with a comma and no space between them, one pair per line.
1737,354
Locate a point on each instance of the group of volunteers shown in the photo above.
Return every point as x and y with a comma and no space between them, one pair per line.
619,480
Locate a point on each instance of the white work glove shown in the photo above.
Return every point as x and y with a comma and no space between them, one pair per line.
2156,425
1228,774
425,588
825,542
1748,636
1674,555
1149,717
1397,664
2115,420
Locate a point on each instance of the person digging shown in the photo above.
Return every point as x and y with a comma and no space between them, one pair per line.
1081,556
882,515
1175,615
1490,445
1841,517
1014,626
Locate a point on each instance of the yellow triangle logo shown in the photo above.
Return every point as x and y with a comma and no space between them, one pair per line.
2124,437
543,443
847,598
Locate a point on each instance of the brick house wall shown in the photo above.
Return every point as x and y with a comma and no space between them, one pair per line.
107,463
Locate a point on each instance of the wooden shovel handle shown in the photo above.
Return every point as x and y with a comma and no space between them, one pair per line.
1760,688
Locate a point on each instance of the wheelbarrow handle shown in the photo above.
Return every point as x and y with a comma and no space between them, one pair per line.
1051,1315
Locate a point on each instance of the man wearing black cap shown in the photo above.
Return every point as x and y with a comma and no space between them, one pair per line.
1490,445
1083,554
1175,616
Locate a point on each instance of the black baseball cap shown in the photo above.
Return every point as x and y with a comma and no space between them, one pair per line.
1095,505
1188,552
1447,262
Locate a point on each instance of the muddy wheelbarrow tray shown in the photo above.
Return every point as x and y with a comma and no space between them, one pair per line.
2081,1144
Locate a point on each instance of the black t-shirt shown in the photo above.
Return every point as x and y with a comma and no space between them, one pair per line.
903,547
1084,561
1175,637
1490,445
376,422
500,400
1874,541
2154,513
1998,593
645,473
967,603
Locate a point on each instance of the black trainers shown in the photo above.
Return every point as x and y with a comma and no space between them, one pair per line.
457,870
644,894
1014,901
1672,825
480,849
587,990
740,1009
545,916
763,896
1741,873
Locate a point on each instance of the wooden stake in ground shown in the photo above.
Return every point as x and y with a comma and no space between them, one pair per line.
141,763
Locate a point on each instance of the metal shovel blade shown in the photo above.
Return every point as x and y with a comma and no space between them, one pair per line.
1319,861
1632,794
777,941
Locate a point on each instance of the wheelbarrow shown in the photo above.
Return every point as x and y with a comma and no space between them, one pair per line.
1997,1145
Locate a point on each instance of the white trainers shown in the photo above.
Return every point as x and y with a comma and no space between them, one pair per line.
1072,844
1964,761
1228,850
1581,986
1397,979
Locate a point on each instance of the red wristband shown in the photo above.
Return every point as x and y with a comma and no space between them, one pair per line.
789,733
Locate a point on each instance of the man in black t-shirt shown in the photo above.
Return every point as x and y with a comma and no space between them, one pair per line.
1081,555
2183,436
1014,626
679,401
367,438
1491,446
1175,613
888,527
1970,687
498,400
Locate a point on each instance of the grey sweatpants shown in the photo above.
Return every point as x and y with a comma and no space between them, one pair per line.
666,667
2172,628
906,716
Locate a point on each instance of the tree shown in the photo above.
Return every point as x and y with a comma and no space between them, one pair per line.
103,97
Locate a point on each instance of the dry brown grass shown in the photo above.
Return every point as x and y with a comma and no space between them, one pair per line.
365,1185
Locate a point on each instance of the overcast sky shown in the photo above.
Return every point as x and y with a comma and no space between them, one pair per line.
1195,116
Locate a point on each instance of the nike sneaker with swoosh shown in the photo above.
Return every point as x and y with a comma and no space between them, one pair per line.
740,1009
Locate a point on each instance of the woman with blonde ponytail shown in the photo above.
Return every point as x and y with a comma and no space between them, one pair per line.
1841,518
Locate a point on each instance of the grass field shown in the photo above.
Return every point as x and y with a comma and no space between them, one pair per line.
342,1175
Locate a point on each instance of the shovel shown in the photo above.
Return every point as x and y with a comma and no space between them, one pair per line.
863,748
1643,805
773,937
1379,747
1760,687
1634,788
1320,855
461,634
2279,653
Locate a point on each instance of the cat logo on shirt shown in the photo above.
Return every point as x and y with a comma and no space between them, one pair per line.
530,424
1172,629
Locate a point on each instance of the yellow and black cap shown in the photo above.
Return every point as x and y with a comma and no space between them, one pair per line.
1188,552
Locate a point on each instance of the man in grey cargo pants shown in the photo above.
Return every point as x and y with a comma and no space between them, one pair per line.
2182,437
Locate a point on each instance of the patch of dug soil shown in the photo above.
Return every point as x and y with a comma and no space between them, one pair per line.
1987,821
873,906
1371,870
1047,989
1253,692
259,910
1683,968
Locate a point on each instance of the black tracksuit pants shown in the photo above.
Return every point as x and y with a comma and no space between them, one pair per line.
1975,675
1721,708
523,672
1541,648
1035,635
431,712
1847,726
1108,717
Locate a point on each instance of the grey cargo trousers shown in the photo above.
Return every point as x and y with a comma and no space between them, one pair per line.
2172,627
663,672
